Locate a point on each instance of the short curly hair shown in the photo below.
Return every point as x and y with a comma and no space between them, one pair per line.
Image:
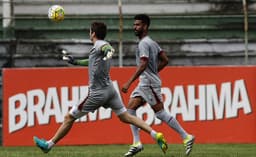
144,18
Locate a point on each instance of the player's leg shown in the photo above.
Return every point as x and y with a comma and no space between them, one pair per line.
64,128
128,118
118,107
188,140
136,146
161,114
168,119
69,119
46,146
133,105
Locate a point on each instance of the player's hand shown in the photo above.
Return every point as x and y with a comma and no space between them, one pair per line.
109,54
125,88
69,59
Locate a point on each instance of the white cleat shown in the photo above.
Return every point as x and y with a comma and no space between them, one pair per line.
188,143
134,149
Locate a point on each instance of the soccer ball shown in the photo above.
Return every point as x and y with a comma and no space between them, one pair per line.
56,13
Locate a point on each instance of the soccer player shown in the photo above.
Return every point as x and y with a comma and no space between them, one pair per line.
101,92
150,59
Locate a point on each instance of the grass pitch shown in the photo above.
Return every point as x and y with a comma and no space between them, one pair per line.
175,150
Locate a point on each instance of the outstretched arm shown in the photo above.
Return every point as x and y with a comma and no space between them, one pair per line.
70,59
83,62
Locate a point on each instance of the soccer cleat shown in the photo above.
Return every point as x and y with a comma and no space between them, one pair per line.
188,143
134,149
161,142
42,144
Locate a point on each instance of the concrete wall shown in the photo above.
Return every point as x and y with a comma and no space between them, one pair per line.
132,6
43,53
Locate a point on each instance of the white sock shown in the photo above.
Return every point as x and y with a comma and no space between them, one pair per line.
153,134
172,122
50,144
135,130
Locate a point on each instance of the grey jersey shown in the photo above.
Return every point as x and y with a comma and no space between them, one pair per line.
102,92
98,68
148,48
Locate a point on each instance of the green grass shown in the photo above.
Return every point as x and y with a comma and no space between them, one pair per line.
175,150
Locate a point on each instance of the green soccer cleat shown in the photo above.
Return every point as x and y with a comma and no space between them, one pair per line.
42,144
134,149
188,143
161,142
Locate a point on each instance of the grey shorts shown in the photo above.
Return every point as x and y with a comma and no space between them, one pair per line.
152,95
106,97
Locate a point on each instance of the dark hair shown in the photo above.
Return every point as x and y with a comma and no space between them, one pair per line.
100,29
144,18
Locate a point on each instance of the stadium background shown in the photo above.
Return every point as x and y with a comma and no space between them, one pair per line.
193,33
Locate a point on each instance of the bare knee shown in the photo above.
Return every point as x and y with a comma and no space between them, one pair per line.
135,103
158,107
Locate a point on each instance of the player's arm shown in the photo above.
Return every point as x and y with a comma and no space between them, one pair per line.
108,51
70,59
163,60
143,65
82,62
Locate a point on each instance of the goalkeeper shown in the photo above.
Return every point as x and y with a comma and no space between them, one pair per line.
107,50
101,92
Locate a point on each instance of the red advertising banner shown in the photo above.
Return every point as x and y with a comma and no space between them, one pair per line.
216,104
